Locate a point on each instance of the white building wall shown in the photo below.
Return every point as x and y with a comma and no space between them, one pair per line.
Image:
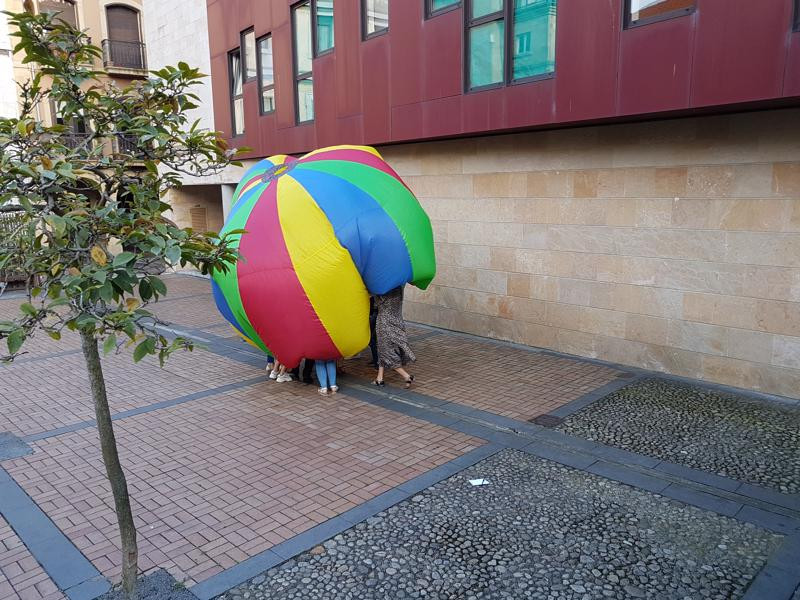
8,89
177,31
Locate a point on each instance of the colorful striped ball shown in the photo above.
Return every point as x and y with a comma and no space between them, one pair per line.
322,233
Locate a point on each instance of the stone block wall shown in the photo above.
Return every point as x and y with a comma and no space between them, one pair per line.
672,245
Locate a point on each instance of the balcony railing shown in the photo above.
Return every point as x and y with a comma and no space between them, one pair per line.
128,144
124,55
73,139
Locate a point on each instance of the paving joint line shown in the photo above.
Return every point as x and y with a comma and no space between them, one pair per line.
757,497
607,461
280,553
35,437
719,387
63,562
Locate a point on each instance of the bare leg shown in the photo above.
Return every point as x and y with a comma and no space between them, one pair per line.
379,378
407,377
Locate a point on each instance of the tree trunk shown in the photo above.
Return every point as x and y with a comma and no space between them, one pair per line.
116,477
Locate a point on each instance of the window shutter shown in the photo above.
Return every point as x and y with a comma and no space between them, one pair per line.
63,8
199,218
123,24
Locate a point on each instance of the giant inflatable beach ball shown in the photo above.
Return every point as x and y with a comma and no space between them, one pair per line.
321,233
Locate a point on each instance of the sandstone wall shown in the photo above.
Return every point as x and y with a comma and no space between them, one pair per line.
671,245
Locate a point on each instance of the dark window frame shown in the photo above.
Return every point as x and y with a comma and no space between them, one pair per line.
314,42
233,97
796,24
431,13
261,87
368,36
506,14
628,23
297,77
243,58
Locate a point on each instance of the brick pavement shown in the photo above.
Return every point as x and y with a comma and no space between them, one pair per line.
21,577
494,377
222,478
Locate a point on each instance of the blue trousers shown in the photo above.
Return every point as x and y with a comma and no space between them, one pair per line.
326,373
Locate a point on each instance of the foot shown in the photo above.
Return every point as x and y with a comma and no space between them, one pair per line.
273,374
323,391
409,381
334,389
378,382
284,378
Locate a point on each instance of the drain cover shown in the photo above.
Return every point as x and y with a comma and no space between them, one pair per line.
547,420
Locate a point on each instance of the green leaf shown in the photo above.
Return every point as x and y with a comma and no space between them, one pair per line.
107,292
158,285
109,344
15,341
56,335
173,254
145,290
143,349
123,258
28,309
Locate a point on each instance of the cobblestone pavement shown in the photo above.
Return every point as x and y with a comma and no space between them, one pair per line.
537,530
752,441
226,467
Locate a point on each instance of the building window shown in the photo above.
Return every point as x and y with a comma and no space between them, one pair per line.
797,15
498,55
237,97
642,12
248,43
534,23
374,17
435,7
304,82
266,75
323,26
63,9
123,47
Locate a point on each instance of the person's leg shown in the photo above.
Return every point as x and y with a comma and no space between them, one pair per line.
330,367
373,338
307,368
322,376
379,378
407,377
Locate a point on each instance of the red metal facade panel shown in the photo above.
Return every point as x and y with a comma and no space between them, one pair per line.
655,66
740,51
587,47
408,83
791,86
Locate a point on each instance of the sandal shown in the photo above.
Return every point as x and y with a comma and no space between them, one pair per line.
379,383
409,382
323,391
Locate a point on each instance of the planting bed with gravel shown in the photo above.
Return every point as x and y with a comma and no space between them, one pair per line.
746,439
537,530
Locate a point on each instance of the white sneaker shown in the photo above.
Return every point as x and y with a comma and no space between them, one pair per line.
273,374
284,378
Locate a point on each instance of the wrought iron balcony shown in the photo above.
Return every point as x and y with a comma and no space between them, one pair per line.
73,139
124,55
128,144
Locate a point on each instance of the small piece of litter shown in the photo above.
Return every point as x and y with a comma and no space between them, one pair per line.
479,481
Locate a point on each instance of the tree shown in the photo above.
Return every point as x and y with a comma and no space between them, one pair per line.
89,228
